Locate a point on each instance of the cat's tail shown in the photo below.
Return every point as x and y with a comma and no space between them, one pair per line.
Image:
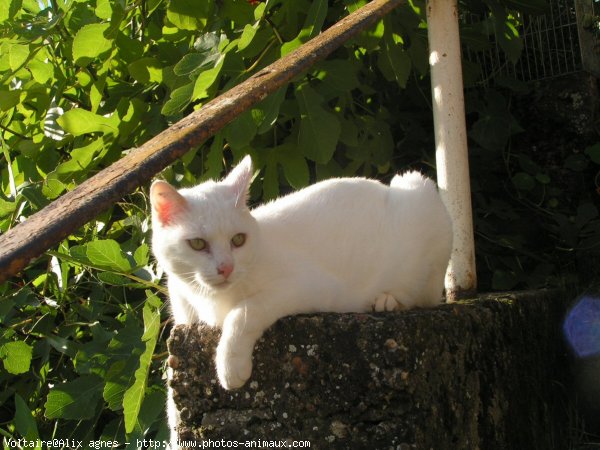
412,180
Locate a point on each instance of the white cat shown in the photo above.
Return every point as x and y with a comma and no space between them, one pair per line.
341,245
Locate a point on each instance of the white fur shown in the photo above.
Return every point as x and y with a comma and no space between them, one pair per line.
341,245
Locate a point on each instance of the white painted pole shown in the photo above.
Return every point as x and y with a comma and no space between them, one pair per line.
451,142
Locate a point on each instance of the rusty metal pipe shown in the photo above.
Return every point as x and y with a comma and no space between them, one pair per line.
28,240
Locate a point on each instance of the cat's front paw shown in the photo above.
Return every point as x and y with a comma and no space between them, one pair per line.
387,302
233,369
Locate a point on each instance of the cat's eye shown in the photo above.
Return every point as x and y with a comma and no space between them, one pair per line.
238,240
198,244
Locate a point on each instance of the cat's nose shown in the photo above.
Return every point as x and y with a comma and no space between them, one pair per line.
225,269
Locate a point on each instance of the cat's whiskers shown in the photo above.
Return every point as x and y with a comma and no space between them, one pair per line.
190,279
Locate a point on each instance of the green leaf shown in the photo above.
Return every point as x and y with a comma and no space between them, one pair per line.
52,186
76,399
576,162
543,178
152,409
338,74
189,63
208,42
129,49
9,99
269,110
240,132
506,32
142,255
193,62
260,9
16,357
79,121
180,98
271,180
79,15
24,422
6,308
146,70
523,181
114,279
90,42
295,167
17,56
206,79
7,208
81,159
312,26
119,377
189,14
394,61
103,9
214,159
9,10
247,36
64,346
496,124
375,145
107,254
593,152
319,129
41,71
134,396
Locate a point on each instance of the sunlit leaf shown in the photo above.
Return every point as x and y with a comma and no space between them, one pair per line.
18,55
146,70
247,36
79,121
9,10
16,357
76,399
107,254
90,42
206,79
189,14
134,396
179,99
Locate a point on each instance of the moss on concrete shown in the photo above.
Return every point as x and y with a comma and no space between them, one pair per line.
484,374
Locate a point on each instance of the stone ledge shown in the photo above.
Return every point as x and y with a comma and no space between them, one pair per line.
488,373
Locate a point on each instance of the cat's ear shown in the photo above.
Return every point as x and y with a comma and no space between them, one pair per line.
239,179
166,202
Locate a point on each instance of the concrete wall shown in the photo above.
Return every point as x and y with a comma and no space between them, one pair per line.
482,374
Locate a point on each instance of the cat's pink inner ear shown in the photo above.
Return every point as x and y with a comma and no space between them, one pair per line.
166,202
239,179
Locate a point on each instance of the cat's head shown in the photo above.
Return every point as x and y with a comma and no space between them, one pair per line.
205,235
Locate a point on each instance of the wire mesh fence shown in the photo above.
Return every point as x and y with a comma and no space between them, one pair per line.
551,46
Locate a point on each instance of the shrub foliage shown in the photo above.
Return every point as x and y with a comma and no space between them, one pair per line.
81,82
